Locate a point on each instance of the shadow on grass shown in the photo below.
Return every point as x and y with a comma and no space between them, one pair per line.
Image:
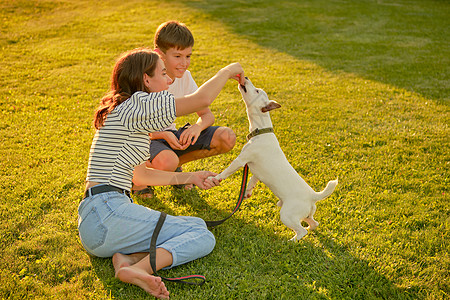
254,261
403,43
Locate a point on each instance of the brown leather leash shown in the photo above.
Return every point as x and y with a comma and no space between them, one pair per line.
239,202
192,279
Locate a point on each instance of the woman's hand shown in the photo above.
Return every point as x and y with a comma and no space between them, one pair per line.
207,92
154,177
202,180
236,72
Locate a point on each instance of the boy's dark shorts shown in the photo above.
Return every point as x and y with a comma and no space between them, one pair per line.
203,142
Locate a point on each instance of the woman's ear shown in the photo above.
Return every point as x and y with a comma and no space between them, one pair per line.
146,80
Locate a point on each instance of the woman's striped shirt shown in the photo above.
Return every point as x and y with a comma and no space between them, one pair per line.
122,142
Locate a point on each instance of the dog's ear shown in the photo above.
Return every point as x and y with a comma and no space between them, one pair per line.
272,105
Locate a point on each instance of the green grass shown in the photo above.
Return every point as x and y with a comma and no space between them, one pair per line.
364,88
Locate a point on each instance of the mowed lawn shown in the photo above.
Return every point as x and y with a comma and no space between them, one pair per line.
364,88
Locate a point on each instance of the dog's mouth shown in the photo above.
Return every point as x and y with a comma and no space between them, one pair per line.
243,86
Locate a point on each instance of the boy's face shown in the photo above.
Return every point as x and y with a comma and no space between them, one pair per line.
177,61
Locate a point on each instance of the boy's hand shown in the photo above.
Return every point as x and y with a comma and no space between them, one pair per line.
173,142
190,135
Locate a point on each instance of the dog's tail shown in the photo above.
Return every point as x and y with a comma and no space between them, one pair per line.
327,190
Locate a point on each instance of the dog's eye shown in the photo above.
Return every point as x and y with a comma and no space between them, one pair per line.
257,91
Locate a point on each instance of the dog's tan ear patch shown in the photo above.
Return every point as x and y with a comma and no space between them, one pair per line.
272,105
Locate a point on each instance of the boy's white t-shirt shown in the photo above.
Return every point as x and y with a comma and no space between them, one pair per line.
181,87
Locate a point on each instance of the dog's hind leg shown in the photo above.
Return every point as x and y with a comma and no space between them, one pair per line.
250,186
292,221
310,219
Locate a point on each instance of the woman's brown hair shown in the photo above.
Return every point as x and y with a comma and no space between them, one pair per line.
126,79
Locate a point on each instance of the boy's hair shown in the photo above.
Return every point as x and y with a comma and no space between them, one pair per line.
173,34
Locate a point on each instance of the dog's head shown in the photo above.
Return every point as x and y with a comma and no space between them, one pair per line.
256,97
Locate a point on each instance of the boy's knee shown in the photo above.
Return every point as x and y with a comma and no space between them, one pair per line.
227,139
166,161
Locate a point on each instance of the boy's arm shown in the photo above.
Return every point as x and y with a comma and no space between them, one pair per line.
157,135
170,138
200,100
205,118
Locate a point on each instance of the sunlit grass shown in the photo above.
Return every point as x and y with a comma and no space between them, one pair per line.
359,102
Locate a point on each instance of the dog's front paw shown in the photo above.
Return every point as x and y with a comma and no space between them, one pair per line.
248,193
215,177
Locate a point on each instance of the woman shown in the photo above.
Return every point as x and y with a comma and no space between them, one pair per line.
109,223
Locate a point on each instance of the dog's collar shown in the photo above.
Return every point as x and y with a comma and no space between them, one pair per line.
258,131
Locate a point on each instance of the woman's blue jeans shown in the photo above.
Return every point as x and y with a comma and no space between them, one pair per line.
110,222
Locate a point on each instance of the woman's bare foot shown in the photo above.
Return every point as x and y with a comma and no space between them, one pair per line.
121,260
149,283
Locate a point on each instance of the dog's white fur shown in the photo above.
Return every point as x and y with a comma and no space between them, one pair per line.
268,164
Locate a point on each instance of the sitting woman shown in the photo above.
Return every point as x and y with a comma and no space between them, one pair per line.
109,223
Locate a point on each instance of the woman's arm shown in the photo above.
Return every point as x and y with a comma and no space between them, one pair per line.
147,176
206,93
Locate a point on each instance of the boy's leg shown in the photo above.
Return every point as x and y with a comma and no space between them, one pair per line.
222,141
166,160
162,158
213,141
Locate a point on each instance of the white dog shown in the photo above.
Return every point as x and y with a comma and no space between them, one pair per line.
268,164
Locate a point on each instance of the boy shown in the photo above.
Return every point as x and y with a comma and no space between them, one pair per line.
171,148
